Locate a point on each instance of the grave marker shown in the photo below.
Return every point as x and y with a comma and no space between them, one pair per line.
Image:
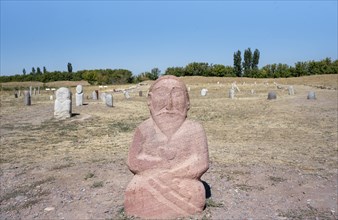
204,92
109,100
272,95
311,95
79,95
27,97
63,103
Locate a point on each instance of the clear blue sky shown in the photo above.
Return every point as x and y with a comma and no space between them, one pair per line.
141,35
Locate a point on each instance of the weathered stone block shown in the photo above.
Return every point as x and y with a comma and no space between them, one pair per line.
63,103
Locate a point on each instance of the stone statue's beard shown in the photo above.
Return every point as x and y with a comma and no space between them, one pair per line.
169,121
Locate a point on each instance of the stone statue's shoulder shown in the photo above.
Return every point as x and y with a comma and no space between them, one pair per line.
145,125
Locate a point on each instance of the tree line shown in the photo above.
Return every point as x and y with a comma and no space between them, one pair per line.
246,68
249,68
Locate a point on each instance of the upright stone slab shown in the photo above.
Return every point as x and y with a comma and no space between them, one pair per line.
231,93
63,103
168,156
109,100
291,91
94,95
79,95
27,97
204,92
30,90
126,94
272,95
16,94
34,91
103,97
140,93
38,90
311,95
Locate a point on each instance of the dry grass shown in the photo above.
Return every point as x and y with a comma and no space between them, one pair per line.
56,84
290,132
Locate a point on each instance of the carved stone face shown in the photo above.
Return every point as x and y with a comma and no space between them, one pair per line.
168,102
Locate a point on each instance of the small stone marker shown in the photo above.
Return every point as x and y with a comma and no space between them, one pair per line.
311,95
140,93
103,97
48,209
79,95
126,94
51,97
63,103
34,91
16,94
168,156
38,90
94,95
30,90
27,97
235,87
291,91
231,93
204,92
19,92
109,100
272,95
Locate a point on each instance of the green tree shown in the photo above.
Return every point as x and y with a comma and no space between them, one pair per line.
247,64
38,71
301,68
175,71
255,59
24,71
238,63
44,70
33,71
154,73
197,69
69,67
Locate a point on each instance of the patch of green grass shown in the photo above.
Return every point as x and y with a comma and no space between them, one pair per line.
226,176
244,187
122,215
24,190
248,188
212,203
97,184
61,166
310,213
123,126
89,175
276,179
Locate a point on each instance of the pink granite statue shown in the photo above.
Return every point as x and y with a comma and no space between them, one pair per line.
168,155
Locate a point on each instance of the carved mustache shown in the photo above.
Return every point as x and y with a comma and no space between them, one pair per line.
170,112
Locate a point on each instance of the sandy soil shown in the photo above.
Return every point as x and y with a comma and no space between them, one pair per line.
269,159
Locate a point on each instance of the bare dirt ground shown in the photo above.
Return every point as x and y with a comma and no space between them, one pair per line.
269,159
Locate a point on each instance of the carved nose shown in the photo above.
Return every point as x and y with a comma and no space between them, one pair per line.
169,103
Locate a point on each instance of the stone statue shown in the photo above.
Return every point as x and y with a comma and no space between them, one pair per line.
63,103
168,155
79,95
